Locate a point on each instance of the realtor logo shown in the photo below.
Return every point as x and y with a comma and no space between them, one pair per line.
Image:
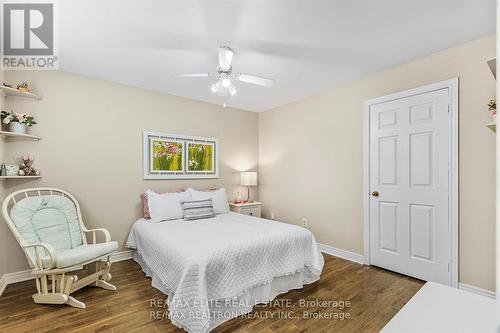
29,36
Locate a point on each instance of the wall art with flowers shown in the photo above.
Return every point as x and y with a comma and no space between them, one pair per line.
166,155
173,156
200,157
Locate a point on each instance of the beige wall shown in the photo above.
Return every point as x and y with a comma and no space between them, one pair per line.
92,146
310,151
311,157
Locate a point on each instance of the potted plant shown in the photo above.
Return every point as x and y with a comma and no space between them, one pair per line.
492,107
17,122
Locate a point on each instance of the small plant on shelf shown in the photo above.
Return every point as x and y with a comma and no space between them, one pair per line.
17,122
492,107
29,121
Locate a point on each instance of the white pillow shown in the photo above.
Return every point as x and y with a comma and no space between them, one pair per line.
166,206
219,198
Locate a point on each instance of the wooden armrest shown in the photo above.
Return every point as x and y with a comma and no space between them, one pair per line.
48,248
106,233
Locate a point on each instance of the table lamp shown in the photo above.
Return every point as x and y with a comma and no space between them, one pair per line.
248,179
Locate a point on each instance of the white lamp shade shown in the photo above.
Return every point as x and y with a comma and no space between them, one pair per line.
249,178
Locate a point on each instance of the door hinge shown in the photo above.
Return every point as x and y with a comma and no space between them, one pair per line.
449,108
449,267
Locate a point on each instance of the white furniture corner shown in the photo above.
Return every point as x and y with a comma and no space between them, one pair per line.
439,308
247,208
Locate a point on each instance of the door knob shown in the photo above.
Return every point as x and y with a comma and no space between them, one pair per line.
375,193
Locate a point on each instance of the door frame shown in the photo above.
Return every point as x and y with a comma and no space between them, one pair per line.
452,85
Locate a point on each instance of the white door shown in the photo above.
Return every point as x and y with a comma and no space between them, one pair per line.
409,185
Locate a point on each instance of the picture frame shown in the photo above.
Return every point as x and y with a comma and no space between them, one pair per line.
166,155
200,157
177,156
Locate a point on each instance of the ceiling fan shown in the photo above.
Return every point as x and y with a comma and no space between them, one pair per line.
224,85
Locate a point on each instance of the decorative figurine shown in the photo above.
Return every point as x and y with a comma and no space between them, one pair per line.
23,87
26,167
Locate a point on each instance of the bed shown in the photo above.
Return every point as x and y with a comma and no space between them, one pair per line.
215,269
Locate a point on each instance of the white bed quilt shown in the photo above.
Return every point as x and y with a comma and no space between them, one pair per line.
220,258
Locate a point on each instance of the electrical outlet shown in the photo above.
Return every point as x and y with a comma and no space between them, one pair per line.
304,222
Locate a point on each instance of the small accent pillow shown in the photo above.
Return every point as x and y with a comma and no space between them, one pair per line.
198,209
145,206
166,206
219,198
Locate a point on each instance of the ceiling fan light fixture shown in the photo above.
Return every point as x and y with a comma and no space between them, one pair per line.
225,76
226,82
225,57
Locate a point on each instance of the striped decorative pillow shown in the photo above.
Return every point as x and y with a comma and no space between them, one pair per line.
198,209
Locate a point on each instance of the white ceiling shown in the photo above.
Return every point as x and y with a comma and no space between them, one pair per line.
306,46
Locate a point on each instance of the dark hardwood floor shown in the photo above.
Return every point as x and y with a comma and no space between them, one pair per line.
375,296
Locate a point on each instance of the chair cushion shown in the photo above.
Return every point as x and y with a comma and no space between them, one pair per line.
50,218
80,254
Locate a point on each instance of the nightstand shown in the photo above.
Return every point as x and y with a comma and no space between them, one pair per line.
249,208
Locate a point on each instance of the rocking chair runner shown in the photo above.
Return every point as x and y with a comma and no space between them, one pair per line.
48,225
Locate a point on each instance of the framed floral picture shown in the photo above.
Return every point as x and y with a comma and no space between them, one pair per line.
173,156
166,155
200,157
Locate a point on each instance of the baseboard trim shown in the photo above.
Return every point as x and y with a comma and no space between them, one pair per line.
21,276
476,290
14,277
347,255
122,255
3,284
360,259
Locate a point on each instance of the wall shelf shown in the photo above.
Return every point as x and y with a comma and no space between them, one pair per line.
6,135
12,92
19,177
492,63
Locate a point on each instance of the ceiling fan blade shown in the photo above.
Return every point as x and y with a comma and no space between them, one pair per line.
225,57
196,75
254,79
